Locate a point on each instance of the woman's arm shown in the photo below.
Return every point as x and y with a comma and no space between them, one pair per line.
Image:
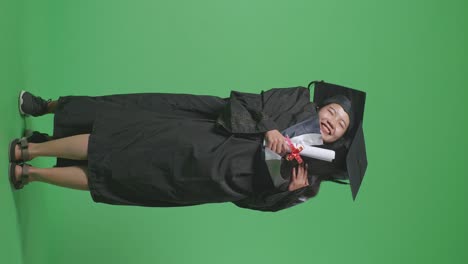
299,177
274,200
268,201
276,142
274,109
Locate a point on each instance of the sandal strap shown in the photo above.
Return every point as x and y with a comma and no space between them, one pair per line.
23,142
24,174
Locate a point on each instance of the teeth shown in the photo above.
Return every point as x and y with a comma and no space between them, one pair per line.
327,130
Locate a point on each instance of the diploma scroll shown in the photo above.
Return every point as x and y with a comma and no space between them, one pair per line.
318,153
308,151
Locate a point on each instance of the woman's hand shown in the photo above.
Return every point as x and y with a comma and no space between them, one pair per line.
299,178
276,142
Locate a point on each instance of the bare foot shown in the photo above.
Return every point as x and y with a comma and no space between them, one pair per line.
18,171
18,153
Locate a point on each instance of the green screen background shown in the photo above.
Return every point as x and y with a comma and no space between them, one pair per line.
409,56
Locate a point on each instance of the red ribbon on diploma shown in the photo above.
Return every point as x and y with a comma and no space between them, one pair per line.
294,151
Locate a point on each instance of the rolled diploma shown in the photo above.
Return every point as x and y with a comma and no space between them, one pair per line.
318,153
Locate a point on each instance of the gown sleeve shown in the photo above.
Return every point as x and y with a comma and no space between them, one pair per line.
274,201
258,113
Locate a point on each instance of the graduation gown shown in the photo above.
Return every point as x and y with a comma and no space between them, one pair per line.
162,150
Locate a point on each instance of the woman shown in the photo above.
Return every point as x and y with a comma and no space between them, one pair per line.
175,149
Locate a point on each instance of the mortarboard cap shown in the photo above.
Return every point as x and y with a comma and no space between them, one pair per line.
353,155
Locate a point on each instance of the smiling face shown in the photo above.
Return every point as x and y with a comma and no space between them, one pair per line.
334,122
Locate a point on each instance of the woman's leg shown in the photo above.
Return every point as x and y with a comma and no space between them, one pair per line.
74,147
74,177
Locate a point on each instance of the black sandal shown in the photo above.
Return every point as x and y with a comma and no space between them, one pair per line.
23,143
36,136
24,175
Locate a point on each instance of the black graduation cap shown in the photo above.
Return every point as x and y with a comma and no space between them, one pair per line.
352,155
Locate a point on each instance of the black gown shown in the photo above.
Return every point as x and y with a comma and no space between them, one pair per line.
161,150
